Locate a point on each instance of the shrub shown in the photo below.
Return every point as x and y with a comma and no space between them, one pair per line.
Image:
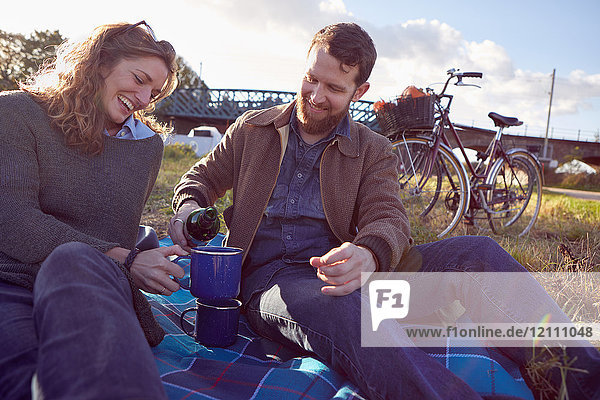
551,178
581,181
178,151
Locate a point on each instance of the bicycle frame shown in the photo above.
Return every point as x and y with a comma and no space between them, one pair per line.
494,152
501,183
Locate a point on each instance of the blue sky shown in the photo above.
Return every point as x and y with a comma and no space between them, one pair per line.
261,44
539,35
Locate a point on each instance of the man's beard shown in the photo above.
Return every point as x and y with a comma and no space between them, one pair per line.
316,127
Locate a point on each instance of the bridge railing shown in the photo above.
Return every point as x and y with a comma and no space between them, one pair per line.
228,104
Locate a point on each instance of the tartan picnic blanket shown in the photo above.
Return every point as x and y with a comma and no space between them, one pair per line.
258,368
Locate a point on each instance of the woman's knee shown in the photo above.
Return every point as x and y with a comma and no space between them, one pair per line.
19,349
74,260
69,253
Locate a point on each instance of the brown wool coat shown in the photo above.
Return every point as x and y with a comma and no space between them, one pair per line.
358,178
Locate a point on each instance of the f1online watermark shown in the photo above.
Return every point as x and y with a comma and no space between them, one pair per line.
472,309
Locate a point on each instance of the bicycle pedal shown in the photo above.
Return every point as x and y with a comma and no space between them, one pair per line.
483,186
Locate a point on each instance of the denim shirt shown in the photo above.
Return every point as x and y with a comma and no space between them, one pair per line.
294,227
133,129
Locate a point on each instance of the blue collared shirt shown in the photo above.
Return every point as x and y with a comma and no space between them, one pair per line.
294,227
133,129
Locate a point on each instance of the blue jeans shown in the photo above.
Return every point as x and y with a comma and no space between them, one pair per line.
285,303
77,330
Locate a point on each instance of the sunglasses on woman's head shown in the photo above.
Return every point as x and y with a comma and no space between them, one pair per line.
144,25
149,30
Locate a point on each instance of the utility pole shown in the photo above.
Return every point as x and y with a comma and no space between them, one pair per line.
549,110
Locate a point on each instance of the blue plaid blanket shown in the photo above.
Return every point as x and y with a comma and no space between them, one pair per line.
257,368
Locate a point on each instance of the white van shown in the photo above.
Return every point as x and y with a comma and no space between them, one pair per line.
202,139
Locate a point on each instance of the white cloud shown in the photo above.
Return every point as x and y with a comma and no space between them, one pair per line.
261,44
334,6
422,39
419,52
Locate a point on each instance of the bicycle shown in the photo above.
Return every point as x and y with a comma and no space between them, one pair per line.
502,189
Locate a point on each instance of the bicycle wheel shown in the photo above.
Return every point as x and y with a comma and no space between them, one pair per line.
435,193
515,196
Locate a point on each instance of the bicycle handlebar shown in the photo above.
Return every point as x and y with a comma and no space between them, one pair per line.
470,74
454,73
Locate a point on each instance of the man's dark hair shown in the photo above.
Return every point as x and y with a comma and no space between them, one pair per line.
350,44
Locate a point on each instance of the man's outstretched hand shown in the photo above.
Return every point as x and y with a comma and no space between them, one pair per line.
176,225
341,268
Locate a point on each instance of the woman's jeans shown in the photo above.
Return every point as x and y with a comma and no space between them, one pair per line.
77,330
285,303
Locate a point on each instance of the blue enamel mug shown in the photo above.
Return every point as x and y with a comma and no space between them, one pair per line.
216,322
215,272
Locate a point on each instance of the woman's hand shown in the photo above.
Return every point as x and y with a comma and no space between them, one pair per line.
152,271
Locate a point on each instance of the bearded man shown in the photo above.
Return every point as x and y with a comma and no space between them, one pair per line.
315,204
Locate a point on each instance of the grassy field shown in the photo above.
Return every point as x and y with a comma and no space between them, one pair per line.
177,160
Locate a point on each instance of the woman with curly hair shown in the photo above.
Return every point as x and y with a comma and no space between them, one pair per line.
79,156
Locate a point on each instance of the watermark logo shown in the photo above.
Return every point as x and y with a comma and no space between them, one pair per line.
389,299
438,309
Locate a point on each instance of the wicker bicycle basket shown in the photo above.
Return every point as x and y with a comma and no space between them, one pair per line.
405,112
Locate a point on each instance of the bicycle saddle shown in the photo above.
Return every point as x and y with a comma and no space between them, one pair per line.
504,122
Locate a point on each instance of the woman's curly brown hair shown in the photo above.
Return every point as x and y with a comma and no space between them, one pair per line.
70,86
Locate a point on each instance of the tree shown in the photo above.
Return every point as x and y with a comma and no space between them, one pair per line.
21,56
188,78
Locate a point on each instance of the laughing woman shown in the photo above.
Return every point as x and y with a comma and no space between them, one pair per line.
78,159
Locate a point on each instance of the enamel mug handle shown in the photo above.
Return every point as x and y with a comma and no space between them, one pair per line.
183,285
182,321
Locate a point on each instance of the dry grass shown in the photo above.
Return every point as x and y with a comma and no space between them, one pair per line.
550,361
566,236
176,161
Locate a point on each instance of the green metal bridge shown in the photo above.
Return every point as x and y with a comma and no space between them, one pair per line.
188,108
225,105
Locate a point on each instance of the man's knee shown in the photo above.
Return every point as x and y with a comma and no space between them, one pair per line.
475,244
486,252
474,253
306,304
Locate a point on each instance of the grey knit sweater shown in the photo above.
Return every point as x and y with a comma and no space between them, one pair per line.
52,194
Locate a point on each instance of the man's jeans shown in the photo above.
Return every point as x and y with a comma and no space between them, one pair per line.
284,303
77,330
